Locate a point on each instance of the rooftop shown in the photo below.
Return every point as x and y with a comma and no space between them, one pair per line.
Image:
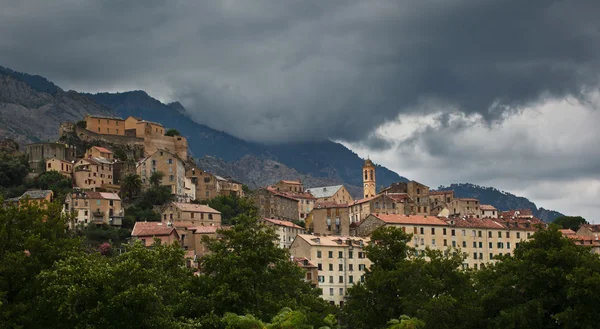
149,229
279,222
409,219
467,199
205,229
36,194
291,182
332,241
102,195
192,207
567,232
324,191
487,207
473,222
100,116
102,149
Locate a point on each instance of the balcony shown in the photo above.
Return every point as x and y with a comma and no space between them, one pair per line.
98,213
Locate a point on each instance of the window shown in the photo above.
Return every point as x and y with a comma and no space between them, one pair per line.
491,256
170,161
474,244
340,254
350,254
480,244
499,234
518,235
321,279
453,244
453,232
97,202
444,231
528,235
464,233
350,279
490,245
330,254
331,267
330,291
318,253
489,234
474,234
433,242
210,216
475,266
480,255
331,279
341,267
479,234
341,292
445,243
362,278
320,267
422,241
341,279
350,267
361,267
171,178
508,245
500,245
507,235
422,230
474,255
433,230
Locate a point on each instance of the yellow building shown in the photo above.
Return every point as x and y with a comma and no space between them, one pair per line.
286,231
106,125
98,208
141,128
40,198
99,152
148,232
329,219
465,207
63,167
480,239
92,173
196,214
172,167
341,262
369,186
337,194
292,186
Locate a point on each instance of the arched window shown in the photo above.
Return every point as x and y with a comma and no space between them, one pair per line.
366,175
371,174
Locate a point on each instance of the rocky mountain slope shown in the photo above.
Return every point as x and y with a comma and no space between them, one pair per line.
500,199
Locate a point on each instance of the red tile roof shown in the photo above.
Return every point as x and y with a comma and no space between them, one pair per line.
204,229
567,232
192,207
303,262
144,229
102,149
409,219
487,207
102,195
290,195
398,197
473,222
280,222
363,200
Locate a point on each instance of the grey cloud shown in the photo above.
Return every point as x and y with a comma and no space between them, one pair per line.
309,70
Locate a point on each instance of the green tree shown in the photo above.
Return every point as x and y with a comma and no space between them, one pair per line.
13,170
142,288
230,207
131,185
406,322
156,178
245,273
549,282
81,124
570,222
172,132
31,240
429,286
285,319
55,181
96,235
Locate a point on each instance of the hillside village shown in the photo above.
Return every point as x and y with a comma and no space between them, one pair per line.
111,161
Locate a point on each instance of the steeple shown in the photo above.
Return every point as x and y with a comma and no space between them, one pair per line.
369,179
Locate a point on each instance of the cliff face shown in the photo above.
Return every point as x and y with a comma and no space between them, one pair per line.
28,115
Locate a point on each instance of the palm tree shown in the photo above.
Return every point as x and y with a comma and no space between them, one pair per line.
156,178
131,184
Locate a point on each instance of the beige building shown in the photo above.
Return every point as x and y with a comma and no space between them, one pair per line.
488,211
382,203
590,230
228,186
92,173
189,190
306,201
195,214
416,194
337,194
439,201
106,125
209,186
340,260
286,231
63,167
141,128
369,186
292,186
275,205
171,165
99,152
154,137
40,198
311,273
480,239
465,207
329,219
147,232
90,207
38,153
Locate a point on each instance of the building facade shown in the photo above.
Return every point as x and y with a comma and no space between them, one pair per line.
88,207
286,231
196,214
382,203
148,232
65,168
465,207
38,153
172,167
99,152
92,173
369,186
106,125
488,211
275,205
337,194
341,262
329,219
291,186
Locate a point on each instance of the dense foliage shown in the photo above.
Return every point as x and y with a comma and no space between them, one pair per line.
172,132
230,207
570,222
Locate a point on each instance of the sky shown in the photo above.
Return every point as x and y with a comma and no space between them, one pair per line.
500,93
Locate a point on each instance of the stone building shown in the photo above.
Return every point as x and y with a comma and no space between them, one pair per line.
311,272
40,198
172,167
93,173
98,208
480,239
65,168
228,186
147,232
99,152
329,218
209,186
196,214
382,203
337,193
102,124
488,211
369,186
417,202
465,207
341,262
275,205
286,231
306,201
292,186
38,153
439,200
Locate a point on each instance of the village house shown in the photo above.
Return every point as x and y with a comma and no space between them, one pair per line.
488,211
286,231
99,152
154,137
590,230
195,235
306,201
40,198
88,207
329,218
518,213
196,214
341,262
147,232
311,273
102,124
439,202
172,167
272,204
382,203
210,186
481,239
465,207
65,168
337,193
415,193
228,186
292,186
38,153
92,173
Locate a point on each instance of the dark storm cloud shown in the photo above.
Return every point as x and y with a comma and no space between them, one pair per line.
299,70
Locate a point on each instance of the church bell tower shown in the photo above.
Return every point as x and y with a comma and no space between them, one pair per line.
369,179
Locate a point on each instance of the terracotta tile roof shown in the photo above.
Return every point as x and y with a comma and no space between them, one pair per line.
332,241
192,207
517,213
149,229
303,262
585,240
487,207
280,194
409,219
102,149
204,229
473,222
398,197
98,116
102,195
567,232
280,222
363,200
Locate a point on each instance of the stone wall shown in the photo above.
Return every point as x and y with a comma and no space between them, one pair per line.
175,144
